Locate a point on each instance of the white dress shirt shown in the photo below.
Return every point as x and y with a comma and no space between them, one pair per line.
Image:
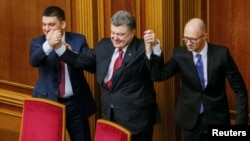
111,65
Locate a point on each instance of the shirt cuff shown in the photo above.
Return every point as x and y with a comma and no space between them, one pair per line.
61,50
47,48
155,50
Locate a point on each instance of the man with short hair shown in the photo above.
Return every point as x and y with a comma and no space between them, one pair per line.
127,90
76,94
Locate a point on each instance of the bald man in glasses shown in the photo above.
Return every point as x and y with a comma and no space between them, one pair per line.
203,68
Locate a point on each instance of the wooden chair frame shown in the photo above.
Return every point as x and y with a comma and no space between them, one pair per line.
119,127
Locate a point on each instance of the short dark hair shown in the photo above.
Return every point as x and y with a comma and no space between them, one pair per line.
52,11
123,17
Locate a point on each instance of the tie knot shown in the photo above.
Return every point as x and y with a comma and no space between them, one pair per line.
198,56
120,52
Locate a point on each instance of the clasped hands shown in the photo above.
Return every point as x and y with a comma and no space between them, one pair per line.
54,38
149,40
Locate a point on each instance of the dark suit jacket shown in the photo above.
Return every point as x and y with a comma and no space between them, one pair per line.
49,74
132,94
220,66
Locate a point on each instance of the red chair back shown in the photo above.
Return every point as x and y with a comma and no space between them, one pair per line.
42,120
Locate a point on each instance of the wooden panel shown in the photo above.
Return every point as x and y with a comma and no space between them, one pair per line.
159,17
11,104
85,22
112,6
9,127
229,25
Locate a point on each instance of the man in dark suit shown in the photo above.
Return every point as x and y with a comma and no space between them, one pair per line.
202,101
130,100
77,96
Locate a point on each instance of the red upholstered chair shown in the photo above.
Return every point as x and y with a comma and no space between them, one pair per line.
109,131
42,120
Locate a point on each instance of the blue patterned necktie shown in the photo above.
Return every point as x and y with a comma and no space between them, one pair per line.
199,68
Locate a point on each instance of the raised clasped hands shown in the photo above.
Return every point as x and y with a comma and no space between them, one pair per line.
149,40
54,38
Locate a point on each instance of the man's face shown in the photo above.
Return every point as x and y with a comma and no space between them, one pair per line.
52,23
121,36
194,38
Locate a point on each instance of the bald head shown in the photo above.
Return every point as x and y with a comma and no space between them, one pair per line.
195,34
195,25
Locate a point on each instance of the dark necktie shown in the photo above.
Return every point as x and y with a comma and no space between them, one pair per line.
117,65
199,68
62,79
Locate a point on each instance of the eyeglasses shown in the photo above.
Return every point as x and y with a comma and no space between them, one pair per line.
192,40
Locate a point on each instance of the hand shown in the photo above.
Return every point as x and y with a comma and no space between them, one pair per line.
150,40
54,38
48,36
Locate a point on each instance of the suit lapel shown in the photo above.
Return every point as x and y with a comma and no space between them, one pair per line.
130,54
106,56
69,38
210,61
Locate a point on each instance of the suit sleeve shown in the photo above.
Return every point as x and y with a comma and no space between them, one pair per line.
84,59
37,55
160,71
237,84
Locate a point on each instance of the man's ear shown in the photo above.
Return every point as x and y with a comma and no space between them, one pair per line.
63,25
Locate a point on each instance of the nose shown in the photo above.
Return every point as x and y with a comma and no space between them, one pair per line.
115,37
46,28
188,42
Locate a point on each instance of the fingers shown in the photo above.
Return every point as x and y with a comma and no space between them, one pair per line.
150,40
57,35
54,38
148,31
149,36
48,36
